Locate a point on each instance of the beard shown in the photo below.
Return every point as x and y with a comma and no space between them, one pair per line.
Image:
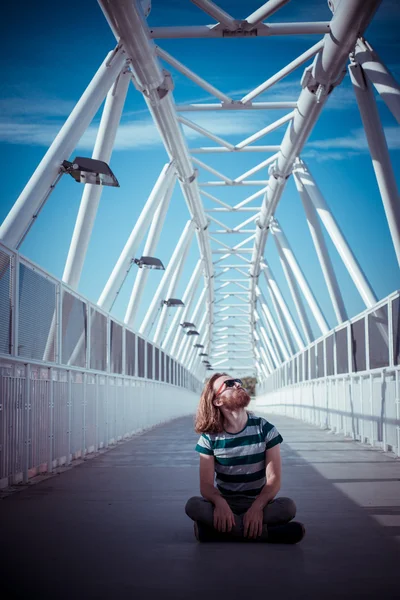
238,399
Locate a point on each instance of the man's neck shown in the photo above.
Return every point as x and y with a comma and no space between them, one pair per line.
235,421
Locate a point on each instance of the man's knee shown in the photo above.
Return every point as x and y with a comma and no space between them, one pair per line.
288,508
192,507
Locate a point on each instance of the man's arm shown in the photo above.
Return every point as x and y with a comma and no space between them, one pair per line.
224,519
207,488
273,469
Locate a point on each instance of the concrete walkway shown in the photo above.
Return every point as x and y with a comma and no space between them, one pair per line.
115,528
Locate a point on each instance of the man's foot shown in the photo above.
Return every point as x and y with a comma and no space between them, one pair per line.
288,533
204,533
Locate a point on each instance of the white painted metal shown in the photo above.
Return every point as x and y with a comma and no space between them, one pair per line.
192,76
173,282
180,316
220,150
124,262
333,229
198,107
294,291
379,75
92,193
37,190
379,152
206,133
320,248
216,13
186,343
128,23
276,293
155,305
349,21
259,134
299,275
292,66
278,337
265,329
212,31
149,250
266,10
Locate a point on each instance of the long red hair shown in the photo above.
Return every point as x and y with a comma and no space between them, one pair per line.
209,418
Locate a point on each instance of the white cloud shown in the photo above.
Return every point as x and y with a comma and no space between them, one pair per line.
131,134
34,107
357,140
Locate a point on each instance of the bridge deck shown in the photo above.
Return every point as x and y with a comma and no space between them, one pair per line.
114,527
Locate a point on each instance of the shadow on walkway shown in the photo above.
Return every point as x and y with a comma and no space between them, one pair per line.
115,528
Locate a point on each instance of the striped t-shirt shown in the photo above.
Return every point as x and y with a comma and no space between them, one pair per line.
240,457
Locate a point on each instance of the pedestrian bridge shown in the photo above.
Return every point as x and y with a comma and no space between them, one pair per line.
81,380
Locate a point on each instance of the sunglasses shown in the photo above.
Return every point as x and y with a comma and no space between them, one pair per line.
229,383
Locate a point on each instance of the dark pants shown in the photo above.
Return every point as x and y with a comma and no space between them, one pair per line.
278,511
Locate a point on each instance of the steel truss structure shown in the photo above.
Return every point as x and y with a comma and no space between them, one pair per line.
236,329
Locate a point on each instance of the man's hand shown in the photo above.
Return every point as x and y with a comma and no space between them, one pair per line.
253,521
224,519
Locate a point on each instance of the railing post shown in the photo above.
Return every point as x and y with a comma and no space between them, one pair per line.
51,422
27,407
15,304
96,413
84,416
69,404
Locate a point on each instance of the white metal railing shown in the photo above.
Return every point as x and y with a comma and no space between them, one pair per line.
347,380
73,379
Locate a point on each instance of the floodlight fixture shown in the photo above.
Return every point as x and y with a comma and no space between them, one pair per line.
203,354
192,332
186,324
89,170
198,346
173,303
149,262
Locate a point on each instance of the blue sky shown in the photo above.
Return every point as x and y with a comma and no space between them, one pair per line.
51,51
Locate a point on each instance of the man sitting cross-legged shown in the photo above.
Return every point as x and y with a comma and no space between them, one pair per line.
242,451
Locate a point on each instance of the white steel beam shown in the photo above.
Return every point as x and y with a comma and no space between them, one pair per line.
292,66
149,250
378,148
294,291
333,229
266,10
218,150
187,299
173,282
320,246
284,350
128,23
236,105
33,197
211,170
228,182
206,133
327,70
155,304
214,11
262,132
263,29
124,262
92,193
251,198
300,278
185,344
383,81
276,292
255,169
265,325
192,76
